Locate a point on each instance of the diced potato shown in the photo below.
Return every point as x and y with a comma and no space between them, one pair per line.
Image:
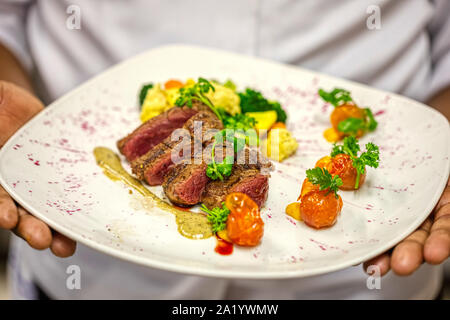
293,210
264,119
279,145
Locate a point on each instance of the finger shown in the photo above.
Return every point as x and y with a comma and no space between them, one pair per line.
408,255
8,211
382,262
33,231
445,198
62,246
17,106
437,246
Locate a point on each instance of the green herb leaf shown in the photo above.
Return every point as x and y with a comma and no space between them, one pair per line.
351,147
370,119
143,92
336,97
197,92
217,216
324,179
351,125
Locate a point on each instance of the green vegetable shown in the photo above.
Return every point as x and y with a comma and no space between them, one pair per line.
370,157
197,92
336,97
239,121
324,179
143,92
217,216
254,101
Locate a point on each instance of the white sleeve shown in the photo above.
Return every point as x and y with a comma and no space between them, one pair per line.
13,15
440,47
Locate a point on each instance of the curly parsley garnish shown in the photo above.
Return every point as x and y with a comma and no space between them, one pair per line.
217,216
324,179
197,92
223,169
370,157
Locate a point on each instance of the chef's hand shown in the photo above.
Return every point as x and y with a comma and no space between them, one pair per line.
17,106
430,243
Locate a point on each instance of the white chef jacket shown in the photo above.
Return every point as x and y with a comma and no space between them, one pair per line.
408,53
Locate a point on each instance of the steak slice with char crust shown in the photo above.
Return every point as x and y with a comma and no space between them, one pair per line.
185,183
245,180
153,132
156,163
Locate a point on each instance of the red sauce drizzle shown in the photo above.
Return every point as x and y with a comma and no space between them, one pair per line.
181,208
223,247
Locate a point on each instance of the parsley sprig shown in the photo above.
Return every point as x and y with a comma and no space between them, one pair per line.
350,146
324,179
217,216
197,92
216,170
336,97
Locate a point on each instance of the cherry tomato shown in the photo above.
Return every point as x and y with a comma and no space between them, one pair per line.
324,162
244,225
307,186
320,209
346,111
342,165
170,84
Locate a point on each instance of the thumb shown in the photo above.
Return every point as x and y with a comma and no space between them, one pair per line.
17,106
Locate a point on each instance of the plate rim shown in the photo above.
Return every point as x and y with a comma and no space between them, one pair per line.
221,273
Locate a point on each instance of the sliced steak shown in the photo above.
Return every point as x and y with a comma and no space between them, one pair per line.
244,180
155,164
153,132
184,184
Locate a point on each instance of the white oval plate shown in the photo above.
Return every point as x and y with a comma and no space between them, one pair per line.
48,167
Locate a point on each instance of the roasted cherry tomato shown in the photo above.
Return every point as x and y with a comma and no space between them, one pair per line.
170,84
342,165
346,111
324,162
307,186
320,209
244,225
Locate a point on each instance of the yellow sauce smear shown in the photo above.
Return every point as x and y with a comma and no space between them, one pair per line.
190,224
